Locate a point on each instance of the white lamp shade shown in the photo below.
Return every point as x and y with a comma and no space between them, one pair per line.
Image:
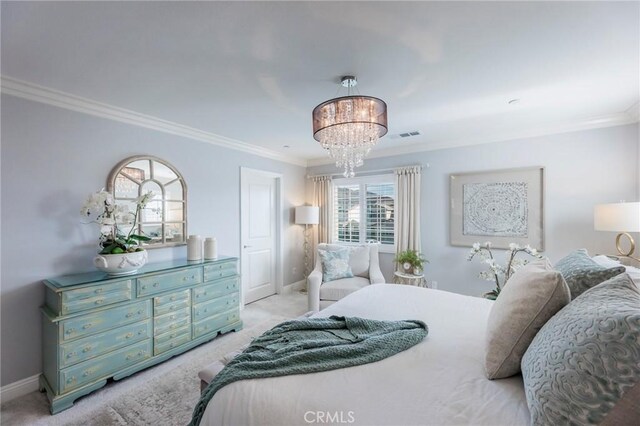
307,215
617,217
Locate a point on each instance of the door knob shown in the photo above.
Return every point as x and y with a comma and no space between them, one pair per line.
246,246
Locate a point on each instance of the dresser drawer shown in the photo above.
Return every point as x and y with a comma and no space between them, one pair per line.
103,366
171,321
89,347
215,323
217,289
105,320
220,270
165,282
165,337
215,306
94,297
171,303
173,343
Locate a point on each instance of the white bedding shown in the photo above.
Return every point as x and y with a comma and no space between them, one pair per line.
437,382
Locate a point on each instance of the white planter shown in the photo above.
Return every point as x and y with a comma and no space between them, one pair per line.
120,264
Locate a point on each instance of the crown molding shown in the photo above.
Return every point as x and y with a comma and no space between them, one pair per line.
629,116
33,92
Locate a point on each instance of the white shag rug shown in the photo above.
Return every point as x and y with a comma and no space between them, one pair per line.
162,395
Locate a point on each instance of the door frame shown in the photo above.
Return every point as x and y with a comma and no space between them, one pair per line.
279,226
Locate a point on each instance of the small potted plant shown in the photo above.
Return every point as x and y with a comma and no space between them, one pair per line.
120,253
411,261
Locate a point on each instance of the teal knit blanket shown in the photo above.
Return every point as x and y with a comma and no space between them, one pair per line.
312,345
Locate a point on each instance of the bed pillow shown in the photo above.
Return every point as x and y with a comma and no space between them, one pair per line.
584,361
531,296
581,272
607,262
335,264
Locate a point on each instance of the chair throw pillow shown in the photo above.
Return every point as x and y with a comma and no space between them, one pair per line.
585,361
531,296
335,264
581,272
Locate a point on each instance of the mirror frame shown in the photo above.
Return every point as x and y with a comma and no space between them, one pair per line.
111,179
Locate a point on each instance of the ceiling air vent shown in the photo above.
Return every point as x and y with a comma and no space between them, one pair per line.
406,134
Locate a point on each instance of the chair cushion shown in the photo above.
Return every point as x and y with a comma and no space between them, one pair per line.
531,296
335,264
336,290
581,272
584,360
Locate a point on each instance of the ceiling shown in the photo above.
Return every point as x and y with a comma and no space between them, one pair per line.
253,71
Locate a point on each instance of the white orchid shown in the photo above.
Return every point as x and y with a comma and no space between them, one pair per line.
498,272
100,206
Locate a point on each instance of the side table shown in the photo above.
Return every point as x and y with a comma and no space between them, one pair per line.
409,279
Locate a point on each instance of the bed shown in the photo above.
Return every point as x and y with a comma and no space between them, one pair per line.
440,381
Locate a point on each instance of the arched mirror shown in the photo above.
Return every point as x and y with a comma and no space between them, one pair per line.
164,219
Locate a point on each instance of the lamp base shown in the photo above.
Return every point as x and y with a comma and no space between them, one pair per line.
632,246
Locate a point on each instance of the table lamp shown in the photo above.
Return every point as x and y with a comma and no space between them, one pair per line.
619,217
307,215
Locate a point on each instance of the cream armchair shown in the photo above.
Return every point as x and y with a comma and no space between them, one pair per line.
365,265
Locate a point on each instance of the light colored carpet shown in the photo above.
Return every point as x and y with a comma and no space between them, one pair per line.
162,395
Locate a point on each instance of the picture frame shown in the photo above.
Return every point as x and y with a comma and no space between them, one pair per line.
501,206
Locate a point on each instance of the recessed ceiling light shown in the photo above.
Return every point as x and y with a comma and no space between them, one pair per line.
514,101
285,146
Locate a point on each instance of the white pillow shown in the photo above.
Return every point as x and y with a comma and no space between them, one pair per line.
608,262
359,261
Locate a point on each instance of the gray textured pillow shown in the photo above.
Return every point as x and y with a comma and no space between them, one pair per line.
581,272
532,295
586,358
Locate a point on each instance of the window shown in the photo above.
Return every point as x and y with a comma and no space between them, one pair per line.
364,210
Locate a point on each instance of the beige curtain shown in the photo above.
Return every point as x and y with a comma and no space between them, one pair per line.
408,208
322,197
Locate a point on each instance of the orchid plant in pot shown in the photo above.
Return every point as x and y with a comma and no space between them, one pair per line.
120,252
497,272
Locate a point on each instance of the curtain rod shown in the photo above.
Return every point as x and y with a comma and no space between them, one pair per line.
389,170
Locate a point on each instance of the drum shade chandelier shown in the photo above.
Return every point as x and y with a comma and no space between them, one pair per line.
349,126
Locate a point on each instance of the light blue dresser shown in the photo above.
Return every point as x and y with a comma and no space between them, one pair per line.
97,327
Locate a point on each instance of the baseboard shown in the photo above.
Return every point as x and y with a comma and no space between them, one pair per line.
19,388
293,287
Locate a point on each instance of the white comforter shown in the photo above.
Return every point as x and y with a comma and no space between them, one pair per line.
437,382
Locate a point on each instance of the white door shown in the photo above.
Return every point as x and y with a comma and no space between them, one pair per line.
259,255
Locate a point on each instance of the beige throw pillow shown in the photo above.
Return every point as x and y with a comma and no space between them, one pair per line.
529,299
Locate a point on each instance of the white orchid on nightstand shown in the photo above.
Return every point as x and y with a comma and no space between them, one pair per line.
497,272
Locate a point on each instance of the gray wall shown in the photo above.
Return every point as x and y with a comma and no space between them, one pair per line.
582,169
53,158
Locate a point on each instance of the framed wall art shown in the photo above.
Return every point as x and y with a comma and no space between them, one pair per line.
501,206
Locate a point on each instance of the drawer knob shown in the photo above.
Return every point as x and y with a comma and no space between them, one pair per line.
193,277
140,312
205,293
71,355
172,335
172,298
172,344
86,326
140,332
98,290
71,379
71,330
128,336
99,301
144,287
87,349
156,284
130,314
87,373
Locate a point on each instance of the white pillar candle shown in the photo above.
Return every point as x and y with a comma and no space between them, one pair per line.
210,248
